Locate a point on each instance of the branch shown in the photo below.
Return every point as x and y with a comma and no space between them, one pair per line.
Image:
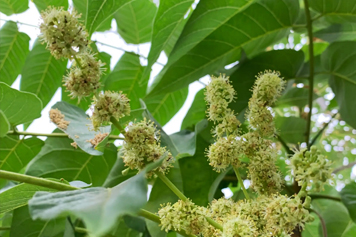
284,144
322,130
311,70
241,182
65,187
344,167
322,222
322,196
52,134
35,181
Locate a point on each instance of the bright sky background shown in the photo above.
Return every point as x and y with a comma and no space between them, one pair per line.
43,125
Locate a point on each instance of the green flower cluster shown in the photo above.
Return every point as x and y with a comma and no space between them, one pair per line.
142,147
311,167
267,216
109,104
66,37
264,174
84,79
219,93
266,91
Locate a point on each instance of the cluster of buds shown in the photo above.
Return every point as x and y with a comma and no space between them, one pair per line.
185,216
66,37
263,172
219,93
311,167
274,215
268,87
142,147
107,105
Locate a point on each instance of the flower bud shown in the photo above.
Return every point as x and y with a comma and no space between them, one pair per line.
109,104
84,80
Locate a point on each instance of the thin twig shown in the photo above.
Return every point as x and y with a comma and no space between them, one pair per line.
284,144
323,196
322,130
322,222
344,167
311,70
108,45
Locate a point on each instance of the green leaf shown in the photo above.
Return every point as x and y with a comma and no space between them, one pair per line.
121,229
125,78
291,129
115,176
42,74
348,197
23,225
335,11
200,25
164,106
19,107
16,153
185,142
99,208
294,97
196,171
43,4
312,229
134,21
168,19
287,62
336,219
14,47
261,24
338,32
97,14
79,127
58,159
4,124
339,62
18,196
196,112
9,7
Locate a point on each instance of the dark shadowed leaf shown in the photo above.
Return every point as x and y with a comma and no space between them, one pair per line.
196,170
338,32
287,62
14,47
348,197
23,225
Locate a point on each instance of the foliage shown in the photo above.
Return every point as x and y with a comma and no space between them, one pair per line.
280,133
